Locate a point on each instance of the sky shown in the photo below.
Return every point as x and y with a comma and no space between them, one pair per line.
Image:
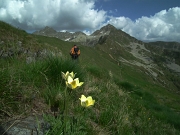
146,20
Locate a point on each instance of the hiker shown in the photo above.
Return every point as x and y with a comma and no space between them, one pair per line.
75,52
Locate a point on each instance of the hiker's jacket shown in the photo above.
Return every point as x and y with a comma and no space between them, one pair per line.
75,51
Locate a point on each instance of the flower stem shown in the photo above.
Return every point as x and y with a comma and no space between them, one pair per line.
65,110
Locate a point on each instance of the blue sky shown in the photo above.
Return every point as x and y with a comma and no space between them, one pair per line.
135,9
146,20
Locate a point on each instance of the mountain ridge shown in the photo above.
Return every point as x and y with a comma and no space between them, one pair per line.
80,37
96,35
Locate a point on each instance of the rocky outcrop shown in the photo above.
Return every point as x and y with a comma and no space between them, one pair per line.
31,125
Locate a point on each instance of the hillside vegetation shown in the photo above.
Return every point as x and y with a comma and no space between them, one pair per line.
128,100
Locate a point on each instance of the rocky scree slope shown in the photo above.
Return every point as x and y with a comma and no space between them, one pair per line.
158,60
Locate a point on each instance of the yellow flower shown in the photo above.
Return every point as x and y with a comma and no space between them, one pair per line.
86,102
83,100
65,76
73,83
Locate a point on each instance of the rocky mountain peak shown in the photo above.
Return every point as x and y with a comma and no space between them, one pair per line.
79,33
104,30
47,30
108,27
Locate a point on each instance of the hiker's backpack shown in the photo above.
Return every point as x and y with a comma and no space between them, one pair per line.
76,51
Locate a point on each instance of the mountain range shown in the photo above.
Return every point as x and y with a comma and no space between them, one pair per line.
97,37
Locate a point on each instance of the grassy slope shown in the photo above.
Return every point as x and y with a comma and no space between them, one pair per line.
94,57
143,90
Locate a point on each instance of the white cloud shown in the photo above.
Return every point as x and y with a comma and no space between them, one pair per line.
59,14
81,15
119,22
163,26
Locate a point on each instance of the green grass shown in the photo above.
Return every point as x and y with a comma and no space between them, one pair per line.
127,100
114,112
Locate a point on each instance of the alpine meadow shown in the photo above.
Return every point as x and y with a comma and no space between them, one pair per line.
118,86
